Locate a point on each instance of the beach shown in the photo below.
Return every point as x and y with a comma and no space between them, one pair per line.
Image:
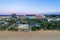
31,35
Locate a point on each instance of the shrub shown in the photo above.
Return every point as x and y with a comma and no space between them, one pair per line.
33,28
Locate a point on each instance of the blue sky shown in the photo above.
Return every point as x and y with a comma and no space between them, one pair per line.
29,6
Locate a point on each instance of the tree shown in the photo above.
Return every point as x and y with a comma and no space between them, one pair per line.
3,27
10,22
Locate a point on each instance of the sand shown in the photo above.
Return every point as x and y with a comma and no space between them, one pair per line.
36,35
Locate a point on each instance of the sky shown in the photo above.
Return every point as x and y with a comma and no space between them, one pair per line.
29,6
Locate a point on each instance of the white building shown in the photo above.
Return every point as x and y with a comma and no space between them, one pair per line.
23,27
53,19
5,17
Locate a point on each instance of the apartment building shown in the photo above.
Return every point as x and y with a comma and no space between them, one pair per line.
30,16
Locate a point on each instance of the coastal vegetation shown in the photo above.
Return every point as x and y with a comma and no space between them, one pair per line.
8,25
48,26
34,23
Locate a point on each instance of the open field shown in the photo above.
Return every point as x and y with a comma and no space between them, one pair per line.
37,35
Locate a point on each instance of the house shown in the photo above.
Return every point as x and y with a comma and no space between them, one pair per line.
5,17
23,27
39,17
22,17
2,23
58,19
53,19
